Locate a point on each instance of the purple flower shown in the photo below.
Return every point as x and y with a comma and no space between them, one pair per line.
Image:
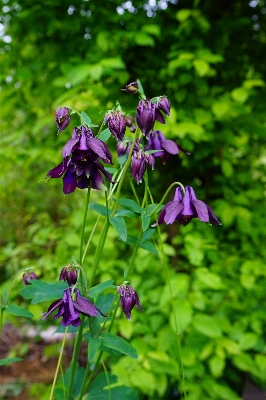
183,209
70,310
69,274
62,118
117,125
131,88
139,162
157,141
121,148
27,276
164,105
128,300
81,165
145,116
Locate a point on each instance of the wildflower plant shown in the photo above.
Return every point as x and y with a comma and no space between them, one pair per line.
85,164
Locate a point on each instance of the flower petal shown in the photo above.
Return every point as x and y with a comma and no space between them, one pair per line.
52,307
172,212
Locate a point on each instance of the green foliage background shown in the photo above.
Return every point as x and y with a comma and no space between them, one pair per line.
209,58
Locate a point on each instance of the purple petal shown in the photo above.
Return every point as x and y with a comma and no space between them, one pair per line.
69,146
84,306
213,217
70,182
173,211
201,209
170,146
100,149
58,171
159,116
52,307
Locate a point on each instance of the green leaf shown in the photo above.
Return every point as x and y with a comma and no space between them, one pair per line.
95,290
149,247
5,361
206,325
125,213
104,135
86,118
117,343
140,87
130,205
99,208
145,219
216,365
40,291
143,39
118,223
93,347
18,311
240,94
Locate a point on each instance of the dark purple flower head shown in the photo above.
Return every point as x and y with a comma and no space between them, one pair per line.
183,209
27,276
121,148
62,118
139,162
145,116
131,88
129,121
70,310
165,147
128,300
69,274
107,117
164,105
117,125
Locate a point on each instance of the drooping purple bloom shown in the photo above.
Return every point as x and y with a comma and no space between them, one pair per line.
183,209
131,88
164,105
139,162
70,310
27,276
69,274
62,118
117,125
130,123
145,116
81,165
128,300
121,148
165,147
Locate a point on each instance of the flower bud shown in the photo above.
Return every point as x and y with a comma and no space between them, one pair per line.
164,105
131,88
117,125
128,299
69,274
27,276
145,116
121,148
62,118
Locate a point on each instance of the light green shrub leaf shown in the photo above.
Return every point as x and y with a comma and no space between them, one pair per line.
206,325
18,311
117,343
119,224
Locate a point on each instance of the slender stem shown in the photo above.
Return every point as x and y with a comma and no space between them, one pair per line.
100,246
1,319
145,197
58,364
166,193
126,274
164,263
126,165
107,379
84,224
89,240
75,357
134,191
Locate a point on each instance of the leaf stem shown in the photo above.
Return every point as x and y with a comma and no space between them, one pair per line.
166,193
58,364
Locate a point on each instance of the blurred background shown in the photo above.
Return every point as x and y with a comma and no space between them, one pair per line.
209,58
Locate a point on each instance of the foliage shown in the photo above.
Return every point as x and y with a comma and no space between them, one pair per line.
209,58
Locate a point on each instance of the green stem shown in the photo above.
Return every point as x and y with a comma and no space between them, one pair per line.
1,319
166,193
126,165
126,274
75,357
58,364
145,197
84,225
134,191
164,263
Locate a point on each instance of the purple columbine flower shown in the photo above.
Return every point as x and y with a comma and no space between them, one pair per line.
131,88
164,105
27,276
81,165
139,162
165,147
70,310
62,118
183,209
128,299
130,123
117,125
145,116
69,274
